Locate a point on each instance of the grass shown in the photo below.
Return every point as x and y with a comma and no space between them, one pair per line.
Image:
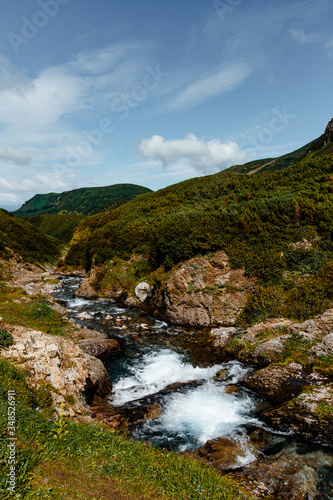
66,460
17,308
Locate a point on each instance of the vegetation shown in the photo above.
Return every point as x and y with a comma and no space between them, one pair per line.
57,459
81,201
59,226
19,237
16,307
321,146
278,226
6,339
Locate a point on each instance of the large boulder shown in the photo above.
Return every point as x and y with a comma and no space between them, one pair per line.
86,289
74,375
206,292
277,383
143,291
100,348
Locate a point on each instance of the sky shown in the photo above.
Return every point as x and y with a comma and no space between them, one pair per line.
153,92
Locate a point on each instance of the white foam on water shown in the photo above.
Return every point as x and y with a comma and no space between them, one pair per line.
76,303
154,371
206,412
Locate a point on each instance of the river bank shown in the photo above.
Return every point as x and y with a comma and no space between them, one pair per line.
220,345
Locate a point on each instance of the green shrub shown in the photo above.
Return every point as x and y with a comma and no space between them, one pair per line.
6,339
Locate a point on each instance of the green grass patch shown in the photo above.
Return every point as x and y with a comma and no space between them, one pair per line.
16,307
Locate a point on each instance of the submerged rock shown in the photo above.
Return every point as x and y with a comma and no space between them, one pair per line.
294,473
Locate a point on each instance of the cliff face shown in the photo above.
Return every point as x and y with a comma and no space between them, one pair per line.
206,292
329,127
75,377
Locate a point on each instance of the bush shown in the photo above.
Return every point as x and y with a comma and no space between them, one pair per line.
6,339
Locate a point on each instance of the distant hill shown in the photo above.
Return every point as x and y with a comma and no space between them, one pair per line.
19,238
321,146
83,201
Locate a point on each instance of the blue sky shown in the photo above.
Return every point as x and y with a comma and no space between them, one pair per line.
153,92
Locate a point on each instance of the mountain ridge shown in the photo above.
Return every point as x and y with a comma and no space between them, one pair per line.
83,201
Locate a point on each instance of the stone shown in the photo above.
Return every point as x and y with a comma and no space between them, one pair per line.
222,335
224,453
100,348
143,291
277,383
325,347
295,473
206,292
84,315
86,289
60,363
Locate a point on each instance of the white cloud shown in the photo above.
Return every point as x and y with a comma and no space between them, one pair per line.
17,156
301,37
224,80
210,156
9,199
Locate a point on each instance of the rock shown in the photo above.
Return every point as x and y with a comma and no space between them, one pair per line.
143,291
309,415
206,292
224,453
325,347
221,336
86,289
98,381
60,363
295,473
221,375
131,301
277,383
269,351
329,127
100,348
84,315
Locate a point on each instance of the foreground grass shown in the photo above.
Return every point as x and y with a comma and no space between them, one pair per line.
66,460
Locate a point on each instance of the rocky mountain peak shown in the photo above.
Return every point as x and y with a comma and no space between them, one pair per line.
329,127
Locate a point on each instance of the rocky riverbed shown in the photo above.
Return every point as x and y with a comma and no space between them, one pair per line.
278,406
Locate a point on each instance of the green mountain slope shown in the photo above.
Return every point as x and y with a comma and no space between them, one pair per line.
278,226
226,210
321,146
25,240
81,201
59,226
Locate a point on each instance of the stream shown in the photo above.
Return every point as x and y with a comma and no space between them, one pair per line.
209,401
193,398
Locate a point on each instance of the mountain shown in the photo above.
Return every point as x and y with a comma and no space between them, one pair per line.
21,239
83,201
321,146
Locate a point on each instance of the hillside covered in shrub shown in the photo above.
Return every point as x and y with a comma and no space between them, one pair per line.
81,201
21,238
259,221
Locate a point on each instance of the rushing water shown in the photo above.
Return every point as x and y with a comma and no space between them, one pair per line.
153,357
168,368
